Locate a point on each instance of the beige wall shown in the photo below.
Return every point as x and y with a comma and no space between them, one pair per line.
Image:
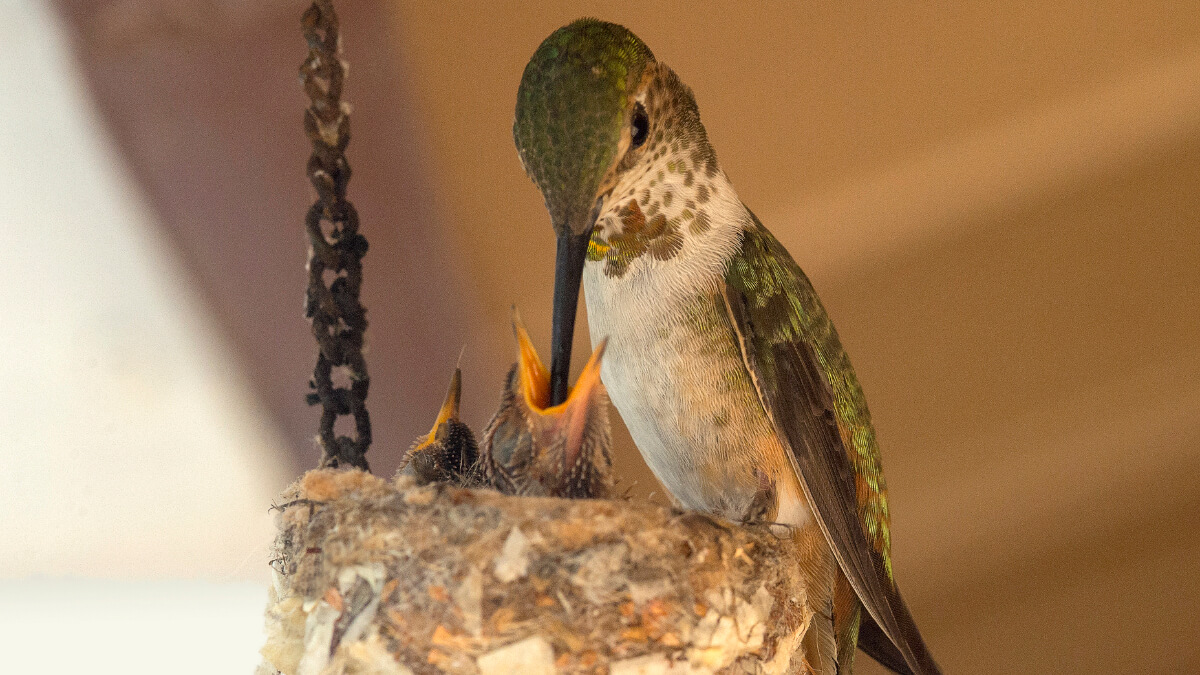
997,201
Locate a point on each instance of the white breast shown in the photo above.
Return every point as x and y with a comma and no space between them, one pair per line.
659,317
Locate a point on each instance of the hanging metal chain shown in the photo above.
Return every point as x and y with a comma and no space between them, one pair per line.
336,248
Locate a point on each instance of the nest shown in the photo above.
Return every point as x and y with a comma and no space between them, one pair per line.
372,576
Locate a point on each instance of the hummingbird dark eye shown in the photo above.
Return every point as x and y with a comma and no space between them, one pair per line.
640,126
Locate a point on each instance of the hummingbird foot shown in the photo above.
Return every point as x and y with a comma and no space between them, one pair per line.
764,509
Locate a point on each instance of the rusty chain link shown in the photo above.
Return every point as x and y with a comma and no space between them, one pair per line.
338,318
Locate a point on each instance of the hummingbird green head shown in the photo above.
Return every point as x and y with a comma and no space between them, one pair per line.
575,110
584,120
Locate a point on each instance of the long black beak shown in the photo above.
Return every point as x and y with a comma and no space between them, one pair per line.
568,271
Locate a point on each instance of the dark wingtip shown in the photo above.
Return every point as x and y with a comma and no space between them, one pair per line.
874,643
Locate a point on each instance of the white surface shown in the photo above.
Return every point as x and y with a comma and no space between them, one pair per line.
129,444
93,626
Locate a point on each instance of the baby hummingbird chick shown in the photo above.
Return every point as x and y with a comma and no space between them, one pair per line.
532,448
448,453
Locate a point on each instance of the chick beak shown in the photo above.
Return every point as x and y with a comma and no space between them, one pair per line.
581,405
532,379
449,410
569,418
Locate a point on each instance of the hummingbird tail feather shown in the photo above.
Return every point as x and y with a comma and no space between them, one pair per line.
875,643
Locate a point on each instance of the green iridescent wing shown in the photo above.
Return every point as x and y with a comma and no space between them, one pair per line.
809,390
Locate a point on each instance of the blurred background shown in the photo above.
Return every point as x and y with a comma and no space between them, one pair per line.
998,203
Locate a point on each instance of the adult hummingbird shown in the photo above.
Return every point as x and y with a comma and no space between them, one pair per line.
721,359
